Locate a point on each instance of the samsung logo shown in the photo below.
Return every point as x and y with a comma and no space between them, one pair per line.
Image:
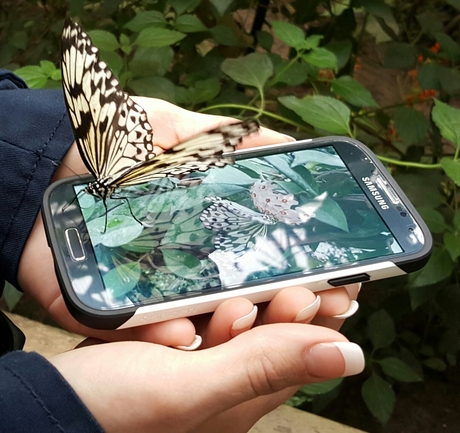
375,192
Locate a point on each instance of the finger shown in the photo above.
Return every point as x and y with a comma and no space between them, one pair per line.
337,305
230,319
176,332
263,361
269,359
294,304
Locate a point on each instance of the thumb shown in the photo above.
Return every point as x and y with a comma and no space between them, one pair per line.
268,359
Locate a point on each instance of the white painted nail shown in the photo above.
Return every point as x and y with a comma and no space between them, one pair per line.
244,322
196,343
353,356
288,137
352,309
308,312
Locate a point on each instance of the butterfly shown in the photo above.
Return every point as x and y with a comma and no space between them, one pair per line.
236,225
113,135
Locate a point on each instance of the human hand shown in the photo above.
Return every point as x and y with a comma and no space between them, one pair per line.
144,387
172,125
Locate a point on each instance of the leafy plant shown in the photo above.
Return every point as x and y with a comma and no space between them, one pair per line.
304,68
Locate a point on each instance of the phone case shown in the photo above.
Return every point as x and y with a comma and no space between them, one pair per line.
218,208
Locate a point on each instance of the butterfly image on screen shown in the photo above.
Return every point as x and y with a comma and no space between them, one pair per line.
113,135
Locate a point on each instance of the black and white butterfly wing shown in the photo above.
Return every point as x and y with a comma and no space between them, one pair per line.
113,134
111,130
199,153
237,226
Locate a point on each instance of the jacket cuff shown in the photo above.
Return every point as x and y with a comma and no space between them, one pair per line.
34,397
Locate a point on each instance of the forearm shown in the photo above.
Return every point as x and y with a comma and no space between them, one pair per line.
35,134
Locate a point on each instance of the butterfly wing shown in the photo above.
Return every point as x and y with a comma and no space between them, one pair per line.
198,153
111,130
237,226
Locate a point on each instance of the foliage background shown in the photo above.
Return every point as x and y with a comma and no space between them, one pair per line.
384,72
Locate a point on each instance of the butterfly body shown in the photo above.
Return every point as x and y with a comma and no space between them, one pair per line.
113,135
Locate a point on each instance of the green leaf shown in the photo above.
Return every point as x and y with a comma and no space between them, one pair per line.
312,42
429,22
252,70
122,279
439,77
322,112
56,75
452,169
411,125
435,363
438,268
33,76
399,370
104,40
189,24
151,61
433,219
202,91
181,263
47,67
312,156
353,92
456,220
181,6
290,34
448,46
293,75
321,387
221,5
158,37
452,244
146,19
321,58
265,40
155,87
447,119
379,397
329,212
224,35
19,40
113,59
454,3
381,329
342,50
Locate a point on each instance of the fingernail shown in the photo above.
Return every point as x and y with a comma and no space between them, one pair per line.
288,137
320,359
196,343
308,312
352,309
244,323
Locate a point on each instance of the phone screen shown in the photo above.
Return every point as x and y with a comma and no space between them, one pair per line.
254,221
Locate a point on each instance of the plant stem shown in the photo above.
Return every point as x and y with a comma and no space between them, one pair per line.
408,163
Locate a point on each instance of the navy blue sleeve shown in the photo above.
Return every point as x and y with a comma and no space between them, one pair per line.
35,134
32,398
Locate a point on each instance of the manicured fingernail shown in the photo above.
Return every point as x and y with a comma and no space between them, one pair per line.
352,309
244,323
322,359
196,343
308,312
288,137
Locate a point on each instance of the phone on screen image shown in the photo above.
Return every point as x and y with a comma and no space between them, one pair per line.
319,212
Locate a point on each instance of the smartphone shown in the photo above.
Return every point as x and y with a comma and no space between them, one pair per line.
318,212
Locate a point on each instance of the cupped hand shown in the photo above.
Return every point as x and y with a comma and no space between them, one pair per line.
145,387
172,125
